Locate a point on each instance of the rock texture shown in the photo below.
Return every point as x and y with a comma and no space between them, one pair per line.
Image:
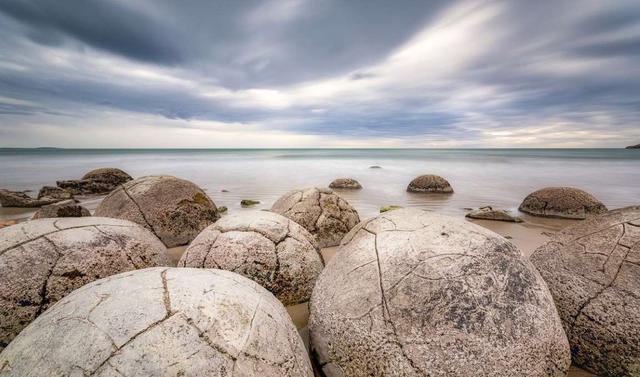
430,183
414,293
21,200
98,181
54,193
564,202
174,209
41,261
593,271
320,211
345,183
162,322
268,248
66,208
488,213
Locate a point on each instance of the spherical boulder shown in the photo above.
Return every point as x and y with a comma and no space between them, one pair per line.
564,202
112,176
430,184
320,211
593,272
174,209
43,260
345,183
162,322
414,293
268,248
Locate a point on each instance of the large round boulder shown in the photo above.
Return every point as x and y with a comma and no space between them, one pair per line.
112,176
430,183
564,202
320,211
593,271
268,248
43,260
174,209
162,322
413,293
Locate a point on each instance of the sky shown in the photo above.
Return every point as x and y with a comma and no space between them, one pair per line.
319,73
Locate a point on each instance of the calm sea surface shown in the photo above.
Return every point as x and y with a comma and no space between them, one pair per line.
498,177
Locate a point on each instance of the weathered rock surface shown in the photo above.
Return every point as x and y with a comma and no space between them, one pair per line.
564,202
345,183
162,322
21,200
323,213
54,193
66,208
593,271
98,181
430,183
488,213
268,248
174,209
414,293
41,261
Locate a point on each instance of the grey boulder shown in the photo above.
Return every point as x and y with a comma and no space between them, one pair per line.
430,183
20,199
345,183
98,181
563,202
489,213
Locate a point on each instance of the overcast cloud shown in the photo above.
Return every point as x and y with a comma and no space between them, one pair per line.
306,73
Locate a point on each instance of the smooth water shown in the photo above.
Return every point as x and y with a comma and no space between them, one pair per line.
498,177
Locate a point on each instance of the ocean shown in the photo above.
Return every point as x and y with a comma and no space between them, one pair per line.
497,177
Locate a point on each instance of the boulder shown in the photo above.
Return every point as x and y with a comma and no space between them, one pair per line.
54,193
43,260
249,202
593,272
21,200
323,213
268,248
389,208
98,181
66,208
174,209
431,184
345,183
162,322
415,293
564,202
488,213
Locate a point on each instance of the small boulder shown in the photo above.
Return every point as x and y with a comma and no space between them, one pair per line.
592,270
54,192
389,208
488,213
21,200
249,202
375,167
43,260
66,208
322,212
98,181
162,322
345,183
268,248
415,293
222,209
174,209
564,202
431,184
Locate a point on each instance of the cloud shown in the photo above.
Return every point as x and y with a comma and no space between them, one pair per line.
473,73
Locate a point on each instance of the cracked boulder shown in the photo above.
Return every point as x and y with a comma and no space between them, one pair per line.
563,202
430,183
43,260
268,248
162,322
322,212
593,271
174,209
98,181
414,293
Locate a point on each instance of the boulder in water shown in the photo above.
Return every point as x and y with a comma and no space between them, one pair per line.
345,183
430,183
564,202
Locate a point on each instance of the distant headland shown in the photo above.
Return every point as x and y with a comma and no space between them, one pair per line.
637,146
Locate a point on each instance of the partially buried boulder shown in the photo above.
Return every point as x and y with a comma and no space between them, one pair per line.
593,271
41,261
20,199
98,181
174,209
345,183
54,193
268,248
66,208
430,183
564,202
162,322
323,213
489,213
414,293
